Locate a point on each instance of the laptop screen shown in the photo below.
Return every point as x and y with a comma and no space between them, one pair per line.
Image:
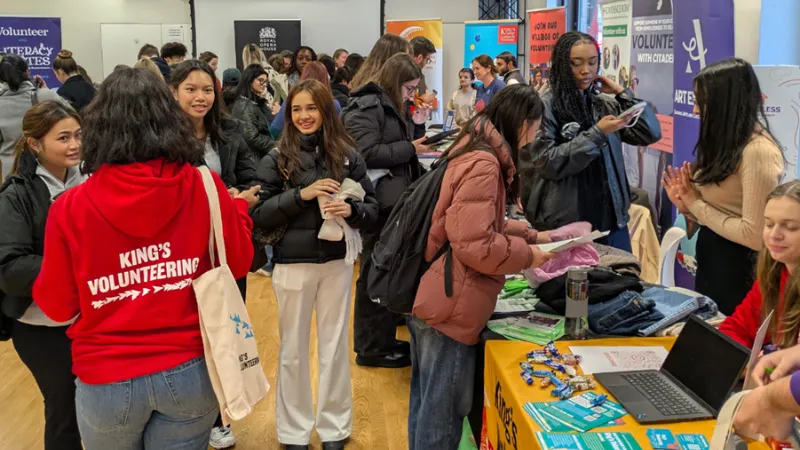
706,361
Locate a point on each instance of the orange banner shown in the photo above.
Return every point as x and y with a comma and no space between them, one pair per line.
409,29
545,26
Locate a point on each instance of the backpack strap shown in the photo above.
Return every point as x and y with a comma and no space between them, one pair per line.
447,251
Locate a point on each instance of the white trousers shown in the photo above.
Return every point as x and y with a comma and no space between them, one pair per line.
301,288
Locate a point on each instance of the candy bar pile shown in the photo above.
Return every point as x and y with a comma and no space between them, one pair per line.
562,375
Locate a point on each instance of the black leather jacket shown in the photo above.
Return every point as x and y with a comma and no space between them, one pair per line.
256,118
554,168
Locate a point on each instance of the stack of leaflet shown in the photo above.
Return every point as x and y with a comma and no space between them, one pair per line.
587,441
534,327
517,296
575,414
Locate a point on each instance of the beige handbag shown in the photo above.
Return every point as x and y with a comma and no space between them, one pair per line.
228,338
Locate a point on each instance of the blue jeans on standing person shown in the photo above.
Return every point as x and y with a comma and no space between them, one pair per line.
170,410
442,377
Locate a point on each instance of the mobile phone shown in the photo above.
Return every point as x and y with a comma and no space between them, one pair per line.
38,82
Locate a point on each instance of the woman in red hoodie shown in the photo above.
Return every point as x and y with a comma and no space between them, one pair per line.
121,251
778,282
479,182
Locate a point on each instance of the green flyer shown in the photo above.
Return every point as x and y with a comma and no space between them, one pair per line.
587,441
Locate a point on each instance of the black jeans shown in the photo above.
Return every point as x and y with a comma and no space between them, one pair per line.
726,270
374,327
46,353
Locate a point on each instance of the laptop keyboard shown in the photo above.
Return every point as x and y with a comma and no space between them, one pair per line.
662,394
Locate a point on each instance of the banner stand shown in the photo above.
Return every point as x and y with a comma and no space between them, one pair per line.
545,26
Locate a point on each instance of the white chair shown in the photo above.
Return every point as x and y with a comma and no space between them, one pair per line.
668,254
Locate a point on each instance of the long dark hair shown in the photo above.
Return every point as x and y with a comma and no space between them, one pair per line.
783,327
508,112
14,71
335,143
37,122
569,104
731,112
387,46
399,69
245,87
134,118
213,118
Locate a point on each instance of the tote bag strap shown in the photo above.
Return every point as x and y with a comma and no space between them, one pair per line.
216,218
721,439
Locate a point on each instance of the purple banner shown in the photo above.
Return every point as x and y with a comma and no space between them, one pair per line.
37,39
703,35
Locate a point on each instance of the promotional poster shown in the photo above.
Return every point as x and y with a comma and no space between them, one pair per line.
545,27
489,37
651,79
431,29
780,88
703,35
615,62
273,36
37,39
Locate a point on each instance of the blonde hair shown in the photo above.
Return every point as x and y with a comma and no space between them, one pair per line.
387,46
252,54
146,64
785,323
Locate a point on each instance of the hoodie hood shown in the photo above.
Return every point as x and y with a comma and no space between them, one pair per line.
140,199
5,89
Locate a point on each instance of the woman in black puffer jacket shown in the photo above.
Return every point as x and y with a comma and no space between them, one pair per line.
254,112
377,119
314,157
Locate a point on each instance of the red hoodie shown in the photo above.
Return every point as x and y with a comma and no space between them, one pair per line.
743,325
121,250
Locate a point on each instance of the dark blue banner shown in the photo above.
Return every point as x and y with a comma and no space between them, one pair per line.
37,39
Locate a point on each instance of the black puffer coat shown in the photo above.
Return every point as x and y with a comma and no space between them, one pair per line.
78,92
564,180
278,207
255,117
238,162
24,203
383,136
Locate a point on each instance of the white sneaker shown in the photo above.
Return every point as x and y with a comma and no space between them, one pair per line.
263,273
222,437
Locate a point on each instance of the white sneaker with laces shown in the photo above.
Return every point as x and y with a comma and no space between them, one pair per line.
222,437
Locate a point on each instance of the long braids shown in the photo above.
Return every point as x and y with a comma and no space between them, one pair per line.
569,105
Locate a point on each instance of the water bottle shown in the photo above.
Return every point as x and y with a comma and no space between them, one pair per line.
577,303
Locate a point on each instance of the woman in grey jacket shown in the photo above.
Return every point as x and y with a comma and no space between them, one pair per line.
17,94
575,170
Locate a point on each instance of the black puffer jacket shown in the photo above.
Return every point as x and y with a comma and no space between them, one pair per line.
238,162
300,243
383,136
562,178
255,117
24,203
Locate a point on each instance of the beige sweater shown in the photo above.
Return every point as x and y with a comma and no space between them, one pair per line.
734,209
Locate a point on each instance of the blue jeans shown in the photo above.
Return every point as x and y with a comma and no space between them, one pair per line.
625,315
170,410
442,377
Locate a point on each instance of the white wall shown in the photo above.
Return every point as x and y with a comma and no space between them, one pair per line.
747,23
453,14
326,24
81,19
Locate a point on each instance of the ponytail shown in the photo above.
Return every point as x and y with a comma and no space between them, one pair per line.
13,71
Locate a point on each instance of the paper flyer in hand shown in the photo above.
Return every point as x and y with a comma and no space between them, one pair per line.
561,246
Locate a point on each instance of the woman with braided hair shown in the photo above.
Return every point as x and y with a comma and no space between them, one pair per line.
575,170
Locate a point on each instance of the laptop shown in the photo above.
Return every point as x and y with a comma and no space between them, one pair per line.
697,377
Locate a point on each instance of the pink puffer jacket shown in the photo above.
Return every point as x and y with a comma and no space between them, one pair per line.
470,213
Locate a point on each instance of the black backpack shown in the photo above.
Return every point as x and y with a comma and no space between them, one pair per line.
398,260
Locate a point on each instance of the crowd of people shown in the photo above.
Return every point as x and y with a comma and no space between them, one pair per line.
101,195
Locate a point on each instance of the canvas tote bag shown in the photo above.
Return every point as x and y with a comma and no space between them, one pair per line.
228,337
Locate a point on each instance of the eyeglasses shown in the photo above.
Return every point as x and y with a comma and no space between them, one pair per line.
262,80
429,61
410,89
